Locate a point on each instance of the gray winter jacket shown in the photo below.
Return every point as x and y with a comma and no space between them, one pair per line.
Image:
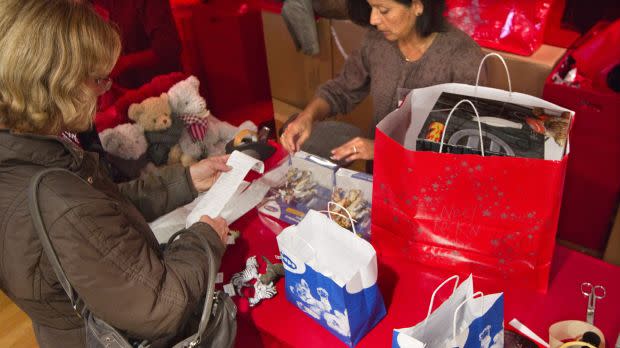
100,233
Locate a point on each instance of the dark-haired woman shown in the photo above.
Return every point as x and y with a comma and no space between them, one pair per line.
410,46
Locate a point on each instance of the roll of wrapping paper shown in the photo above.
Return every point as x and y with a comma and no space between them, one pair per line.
572,330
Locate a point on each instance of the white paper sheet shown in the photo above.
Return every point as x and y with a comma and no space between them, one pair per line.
244,202
165,226
221,193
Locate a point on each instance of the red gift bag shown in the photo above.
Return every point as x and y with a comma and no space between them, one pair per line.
507,25
592,187
495,217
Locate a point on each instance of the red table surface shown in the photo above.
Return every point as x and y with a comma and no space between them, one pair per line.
407,289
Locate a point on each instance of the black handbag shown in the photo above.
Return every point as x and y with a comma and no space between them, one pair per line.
218,323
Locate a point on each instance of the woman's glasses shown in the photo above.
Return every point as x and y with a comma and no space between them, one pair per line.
104,83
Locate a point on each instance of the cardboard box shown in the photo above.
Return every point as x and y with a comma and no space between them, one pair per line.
293,76
528,74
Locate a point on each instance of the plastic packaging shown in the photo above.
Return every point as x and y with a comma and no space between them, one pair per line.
510,26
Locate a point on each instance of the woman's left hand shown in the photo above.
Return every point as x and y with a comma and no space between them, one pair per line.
356,148
205,173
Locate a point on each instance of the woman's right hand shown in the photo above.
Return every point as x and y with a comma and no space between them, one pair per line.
297,132
219,225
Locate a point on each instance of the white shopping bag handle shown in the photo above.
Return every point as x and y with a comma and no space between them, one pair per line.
443,134
492,54
348,216
479,293
430,306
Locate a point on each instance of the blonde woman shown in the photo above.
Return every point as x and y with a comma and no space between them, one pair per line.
55,58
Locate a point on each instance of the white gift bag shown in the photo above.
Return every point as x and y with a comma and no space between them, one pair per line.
479,322
331,275
420,103
432,331
463,320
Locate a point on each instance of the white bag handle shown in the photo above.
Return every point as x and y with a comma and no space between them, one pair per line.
348,216
479,293
430,306
443,134
493,54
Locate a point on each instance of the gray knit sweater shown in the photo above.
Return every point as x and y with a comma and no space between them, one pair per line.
379,68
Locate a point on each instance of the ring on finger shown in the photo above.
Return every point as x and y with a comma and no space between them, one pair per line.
354,149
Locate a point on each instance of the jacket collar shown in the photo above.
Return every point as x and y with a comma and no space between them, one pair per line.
43,150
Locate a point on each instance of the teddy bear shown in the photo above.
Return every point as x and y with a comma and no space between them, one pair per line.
204,129
125,147
161,129
126,141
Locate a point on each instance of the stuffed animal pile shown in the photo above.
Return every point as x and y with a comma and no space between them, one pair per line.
175,127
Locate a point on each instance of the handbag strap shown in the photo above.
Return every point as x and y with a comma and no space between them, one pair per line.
210,295
37,220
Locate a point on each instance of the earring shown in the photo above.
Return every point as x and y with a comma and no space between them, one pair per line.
418,14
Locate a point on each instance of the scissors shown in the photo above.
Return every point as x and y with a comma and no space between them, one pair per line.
593,293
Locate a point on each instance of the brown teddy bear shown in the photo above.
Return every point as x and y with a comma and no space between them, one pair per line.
162,131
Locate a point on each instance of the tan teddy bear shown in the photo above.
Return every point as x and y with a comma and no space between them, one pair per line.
162,131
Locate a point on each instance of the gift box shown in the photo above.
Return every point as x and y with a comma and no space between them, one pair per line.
311,182
306,183
353,191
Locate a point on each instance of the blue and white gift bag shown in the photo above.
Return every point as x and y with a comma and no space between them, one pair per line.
331,275
465,320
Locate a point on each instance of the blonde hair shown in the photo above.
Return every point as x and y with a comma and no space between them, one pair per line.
48,52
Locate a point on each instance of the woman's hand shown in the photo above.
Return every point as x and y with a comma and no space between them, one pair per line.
219,225
205,173
354,149
297,132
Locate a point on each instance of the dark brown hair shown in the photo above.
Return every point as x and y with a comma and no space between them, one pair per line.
430,21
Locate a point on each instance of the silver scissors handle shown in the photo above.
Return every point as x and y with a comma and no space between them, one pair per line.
597,290
593,293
